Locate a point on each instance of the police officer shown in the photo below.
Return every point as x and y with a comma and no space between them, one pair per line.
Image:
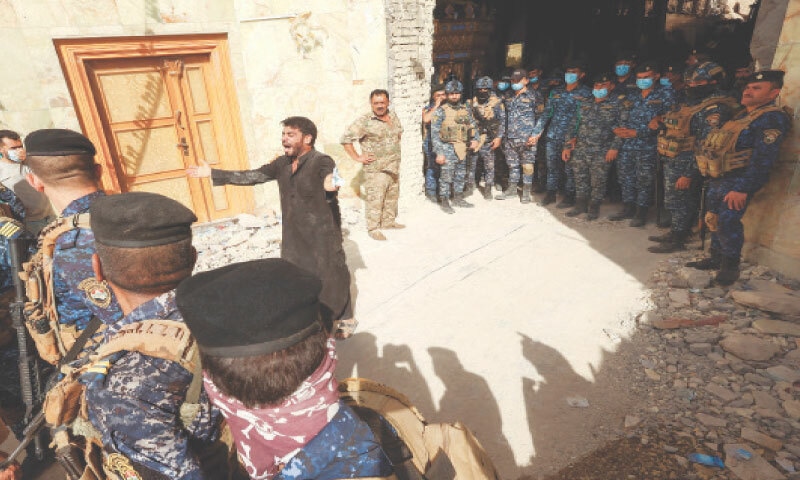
687,125
431,167
738,158
636,165
487,109
562,106
453,131
524,126
591,146
624,68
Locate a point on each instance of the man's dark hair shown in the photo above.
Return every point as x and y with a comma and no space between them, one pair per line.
69,169
266,380
9,134
303,124
148,270
378,92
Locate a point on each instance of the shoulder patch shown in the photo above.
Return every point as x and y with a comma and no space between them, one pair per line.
713,119
771,135
96,291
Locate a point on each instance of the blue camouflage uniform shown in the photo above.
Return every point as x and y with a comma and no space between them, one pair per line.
454,170
524,119
489,117
594,132
344,448
562,105
764,136
636,164
431,167
8,197
682,204
72,264
135,405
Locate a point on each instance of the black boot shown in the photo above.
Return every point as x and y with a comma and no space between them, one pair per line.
667,237
567,201
509,192
640,218
432,197
594,211
676,244
549,198
469,189
665,219
444,204
581,206
728,271
526,194
458,201
487,191
628,211
712,262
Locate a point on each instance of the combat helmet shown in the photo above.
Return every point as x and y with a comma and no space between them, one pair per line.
454,86
483,82
708,71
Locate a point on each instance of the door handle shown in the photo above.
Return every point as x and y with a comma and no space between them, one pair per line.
184,146
178,115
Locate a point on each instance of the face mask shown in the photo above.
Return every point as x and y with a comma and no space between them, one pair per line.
517,86
13,155
665,82
502,86
570,78
644,83
701,91
600,92
482,96
622,70
533,79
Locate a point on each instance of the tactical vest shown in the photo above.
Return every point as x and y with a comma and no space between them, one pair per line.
677,139
484,116
52,339
77,443
718,155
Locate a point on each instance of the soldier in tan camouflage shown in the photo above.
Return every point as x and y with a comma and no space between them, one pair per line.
378,132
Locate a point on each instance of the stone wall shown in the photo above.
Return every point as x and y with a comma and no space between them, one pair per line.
772,222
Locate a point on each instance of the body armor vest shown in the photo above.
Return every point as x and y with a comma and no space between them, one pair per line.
677,138
456,125
718,155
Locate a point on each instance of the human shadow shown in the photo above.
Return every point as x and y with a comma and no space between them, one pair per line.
468,398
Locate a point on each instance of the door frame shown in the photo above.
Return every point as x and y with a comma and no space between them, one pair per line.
75,53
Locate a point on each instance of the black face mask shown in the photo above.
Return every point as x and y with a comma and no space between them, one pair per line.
482,96
702,91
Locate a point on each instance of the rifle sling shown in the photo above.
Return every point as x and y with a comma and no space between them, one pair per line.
80,342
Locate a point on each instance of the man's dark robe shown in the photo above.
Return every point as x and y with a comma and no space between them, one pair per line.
311,237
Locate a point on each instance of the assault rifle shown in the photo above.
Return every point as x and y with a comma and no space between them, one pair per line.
702,215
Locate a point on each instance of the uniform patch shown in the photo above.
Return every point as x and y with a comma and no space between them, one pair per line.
97,292
771,135
120,465
713,119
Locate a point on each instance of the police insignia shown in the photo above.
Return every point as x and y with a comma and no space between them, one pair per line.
713,119
771,135
120,465
96,291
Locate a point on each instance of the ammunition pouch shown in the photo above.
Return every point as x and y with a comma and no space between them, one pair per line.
712,221
454,133
671,147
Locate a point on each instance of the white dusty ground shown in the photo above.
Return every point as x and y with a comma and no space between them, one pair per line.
495,316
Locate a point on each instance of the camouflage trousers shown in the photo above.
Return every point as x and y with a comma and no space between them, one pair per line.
590,171
383,191
519,155
453,175
637,172
681,203
485,155
729,237
431,174
557,171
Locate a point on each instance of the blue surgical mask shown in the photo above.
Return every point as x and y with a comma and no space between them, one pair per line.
517,86
665,82
502,86
644,83
533,79
622,70
570,78
600,92
13,155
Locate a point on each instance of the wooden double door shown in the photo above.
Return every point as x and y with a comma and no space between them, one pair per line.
156,115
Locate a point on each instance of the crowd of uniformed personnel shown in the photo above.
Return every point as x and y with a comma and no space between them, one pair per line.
684,137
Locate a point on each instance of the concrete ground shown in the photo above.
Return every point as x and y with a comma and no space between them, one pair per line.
498,316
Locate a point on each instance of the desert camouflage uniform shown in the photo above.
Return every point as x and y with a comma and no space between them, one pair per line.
382,177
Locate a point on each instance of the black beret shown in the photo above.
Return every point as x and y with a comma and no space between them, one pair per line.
603,78
767,76
648,66
139,219
627,55
250,308
58,142
518,73
574,63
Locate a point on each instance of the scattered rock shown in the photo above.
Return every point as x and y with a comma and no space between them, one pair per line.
782,301
578,402
695,278
669,323
701,336
721,392
765,400
749,347
632,421
711,421
679,298
782,373
756,468
752,435
792,408
700,348
777,327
